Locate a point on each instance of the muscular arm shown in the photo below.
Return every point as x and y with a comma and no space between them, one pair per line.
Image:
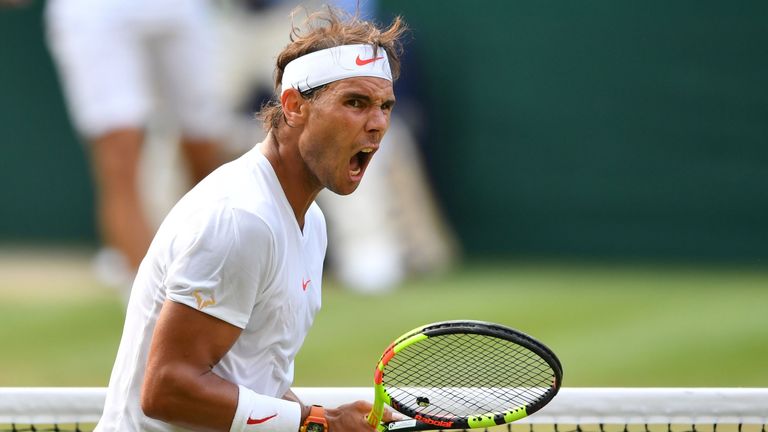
179,385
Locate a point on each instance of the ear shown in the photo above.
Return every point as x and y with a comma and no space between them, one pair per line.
293,107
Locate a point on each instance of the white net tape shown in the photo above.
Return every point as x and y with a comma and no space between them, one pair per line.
622,406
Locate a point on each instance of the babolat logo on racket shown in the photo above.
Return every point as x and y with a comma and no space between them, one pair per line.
432,422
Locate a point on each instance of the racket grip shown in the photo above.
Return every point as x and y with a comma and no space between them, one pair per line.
381,427
374,417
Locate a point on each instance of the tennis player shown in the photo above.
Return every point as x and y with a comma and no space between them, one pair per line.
231,283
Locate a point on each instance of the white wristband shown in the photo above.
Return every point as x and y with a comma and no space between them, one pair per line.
259,413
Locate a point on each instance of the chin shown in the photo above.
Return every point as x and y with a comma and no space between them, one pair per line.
345,189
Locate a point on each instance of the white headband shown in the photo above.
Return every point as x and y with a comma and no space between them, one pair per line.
333,64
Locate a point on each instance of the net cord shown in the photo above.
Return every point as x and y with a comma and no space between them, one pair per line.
46,405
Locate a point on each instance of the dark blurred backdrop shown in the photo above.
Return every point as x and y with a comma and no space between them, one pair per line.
628,130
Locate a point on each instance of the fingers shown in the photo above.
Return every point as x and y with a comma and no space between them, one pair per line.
352,417
390,415
349,417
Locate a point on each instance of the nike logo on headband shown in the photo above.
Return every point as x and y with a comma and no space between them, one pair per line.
361,62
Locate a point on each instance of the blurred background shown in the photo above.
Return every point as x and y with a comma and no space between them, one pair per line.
593,173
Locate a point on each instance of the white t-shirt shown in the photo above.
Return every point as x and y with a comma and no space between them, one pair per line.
230,248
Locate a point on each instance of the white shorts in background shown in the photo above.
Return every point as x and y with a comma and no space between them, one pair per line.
118,58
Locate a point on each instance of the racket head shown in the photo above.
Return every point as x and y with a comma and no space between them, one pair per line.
464,374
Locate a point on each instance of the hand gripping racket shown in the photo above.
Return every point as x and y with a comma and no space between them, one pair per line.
463,375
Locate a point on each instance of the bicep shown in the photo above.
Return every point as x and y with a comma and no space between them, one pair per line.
187,335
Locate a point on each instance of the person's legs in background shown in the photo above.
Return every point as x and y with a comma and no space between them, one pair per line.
201,156
122,220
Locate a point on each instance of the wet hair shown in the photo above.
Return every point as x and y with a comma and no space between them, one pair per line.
324,29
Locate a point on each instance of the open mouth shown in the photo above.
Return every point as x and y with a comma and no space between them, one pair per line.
359,161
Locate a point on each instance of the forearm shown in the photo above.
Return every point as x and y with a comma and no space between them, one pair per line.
210,403
200,402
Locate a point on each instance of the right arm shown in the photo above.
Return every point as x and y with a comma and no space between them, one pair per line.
179,384
180,387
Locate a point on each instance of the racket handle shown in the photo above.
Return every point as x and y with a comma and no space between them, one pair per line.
373,419
381,427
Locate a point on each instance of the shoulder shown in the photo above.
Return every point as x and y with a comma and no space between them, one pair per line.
252,227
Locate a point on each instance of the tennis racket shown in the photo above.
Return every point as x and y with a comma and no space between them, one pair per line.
463,375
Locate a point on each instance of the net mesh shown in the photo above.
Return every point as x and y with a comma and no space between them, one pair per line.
572,410
49,427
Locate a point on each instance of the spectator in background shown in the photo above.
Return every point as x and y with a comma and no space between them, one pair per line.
391,228
119,61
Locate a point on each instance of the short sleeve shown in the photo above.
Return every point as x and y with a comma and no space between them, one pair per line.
220,261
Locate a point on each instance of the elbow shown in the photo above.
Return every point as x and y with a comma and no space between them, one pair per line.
152,405
160,395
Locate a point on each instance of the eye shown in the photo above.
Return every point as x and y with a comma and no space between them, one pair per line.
355,103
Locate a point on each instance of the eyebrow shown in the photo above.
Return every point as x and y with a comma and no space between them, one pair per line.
366,98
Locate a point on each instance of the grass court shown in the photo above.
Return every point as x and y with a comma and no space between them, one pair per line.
611,325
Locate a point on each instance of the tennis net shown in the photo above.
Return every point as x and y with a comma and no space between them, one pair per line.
573,409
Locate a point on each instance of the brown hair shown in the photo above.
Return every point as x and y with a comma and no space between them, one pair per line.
326,29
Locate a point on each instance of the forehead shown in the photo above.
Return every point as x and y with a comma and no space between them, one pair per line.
374,88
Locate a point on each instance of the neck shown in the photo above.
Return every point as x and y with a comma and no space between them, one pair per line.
300,188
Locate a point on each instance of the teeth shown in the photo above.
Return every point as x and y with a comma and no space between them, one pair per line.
366,150
356,172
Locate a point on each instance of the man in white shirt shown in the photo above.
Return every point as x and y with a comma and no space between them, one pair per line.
231,282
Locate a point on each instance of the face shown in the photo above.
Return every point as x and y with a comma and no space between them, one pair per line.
344,128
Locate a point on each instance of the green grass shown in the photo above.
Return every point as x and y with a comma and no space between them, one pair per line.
61,343
610,325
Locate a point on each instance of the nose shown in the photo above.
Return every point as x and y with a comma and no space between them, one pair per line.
378,120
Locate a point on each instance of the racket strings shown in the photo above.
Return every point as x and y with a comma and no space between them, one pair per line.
458,375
